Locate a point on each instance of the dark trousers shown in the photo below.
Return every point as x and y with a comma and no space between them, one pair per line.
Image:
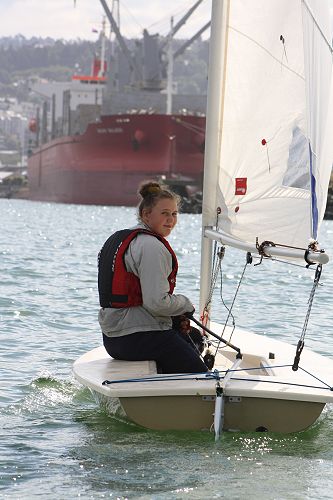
170,351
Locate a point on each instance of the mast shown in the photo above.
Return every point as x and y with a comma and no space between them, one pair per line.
170,72
181,22
216,78
189,42
173,31
102,67
132,62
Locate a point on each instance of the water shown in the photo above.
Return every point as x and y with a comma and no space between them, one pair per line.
55,442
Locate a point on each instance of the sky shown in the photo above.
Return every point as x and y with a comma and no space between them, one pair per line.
61,19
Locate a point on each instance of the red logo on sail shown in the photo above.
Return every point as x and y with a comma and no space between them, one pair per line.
240,185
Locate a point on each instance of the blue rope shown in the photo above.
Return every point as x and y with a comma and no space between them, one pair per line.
319,380
163,378
215,375
283,383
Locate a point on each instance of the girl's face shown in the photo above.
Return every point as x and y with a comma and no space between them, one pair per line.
162,218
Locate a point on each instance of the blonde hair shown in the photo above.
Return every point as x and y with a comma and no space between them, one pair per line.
152,192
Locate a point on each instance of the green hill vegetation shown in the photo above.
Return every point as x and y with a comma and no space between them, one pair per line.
22,60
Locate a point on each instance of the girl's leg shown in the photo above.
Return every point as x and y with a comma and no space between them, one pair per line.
170,351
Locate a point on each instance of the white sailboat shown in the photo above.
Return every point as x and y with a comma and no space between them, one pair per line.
268,160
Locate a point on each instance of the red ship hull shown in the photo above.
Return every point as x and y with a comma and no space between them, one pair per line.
105,165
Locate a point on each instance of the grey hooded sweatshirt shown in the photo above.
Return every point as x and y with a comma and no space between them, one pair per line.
151,262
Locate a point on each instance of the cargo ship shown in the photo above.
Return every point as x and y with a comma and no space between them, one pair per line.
99,136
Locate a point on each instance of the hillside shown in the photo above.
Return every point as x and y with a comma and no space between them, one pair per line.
23,59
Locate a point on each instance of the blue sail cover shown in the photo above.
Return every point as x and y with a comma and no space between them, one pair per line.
313,198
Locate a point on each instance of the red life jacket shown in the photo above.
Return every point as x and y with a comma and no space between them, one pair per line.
116,286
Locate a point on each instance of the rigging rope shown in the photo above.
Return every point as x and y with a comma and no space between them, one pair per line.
248,261
217,265
300,344
217,269
218,255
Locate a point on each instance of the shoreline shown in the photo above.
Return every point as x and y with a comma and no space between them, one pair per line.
22,193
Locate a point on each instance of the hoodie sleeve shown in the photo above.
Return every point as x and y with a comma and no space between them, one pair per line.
150,260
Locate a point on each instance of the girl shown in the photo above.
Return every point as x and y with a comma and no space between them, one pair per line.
136,279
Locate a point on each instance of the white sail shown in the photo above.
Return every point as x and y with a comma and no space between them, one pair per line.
275,111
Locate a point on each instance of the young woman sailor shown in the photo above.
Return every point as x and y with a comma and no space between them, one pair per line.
136,277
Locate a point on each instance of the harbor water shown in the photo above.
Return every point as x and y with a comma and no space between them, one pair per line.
57,443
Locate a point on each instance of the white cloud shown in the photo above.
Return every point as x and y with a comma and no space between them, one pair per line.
59,18
55,18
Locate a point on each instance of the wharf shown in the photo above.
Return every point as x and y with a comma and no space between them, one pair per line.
20,190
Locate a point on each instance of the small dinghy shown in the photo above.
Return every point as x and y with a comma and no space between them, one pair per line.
268,159
257,392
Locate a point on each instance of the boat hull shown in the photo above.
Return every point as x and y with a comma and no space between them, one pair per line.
240,414
105,165
261,392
